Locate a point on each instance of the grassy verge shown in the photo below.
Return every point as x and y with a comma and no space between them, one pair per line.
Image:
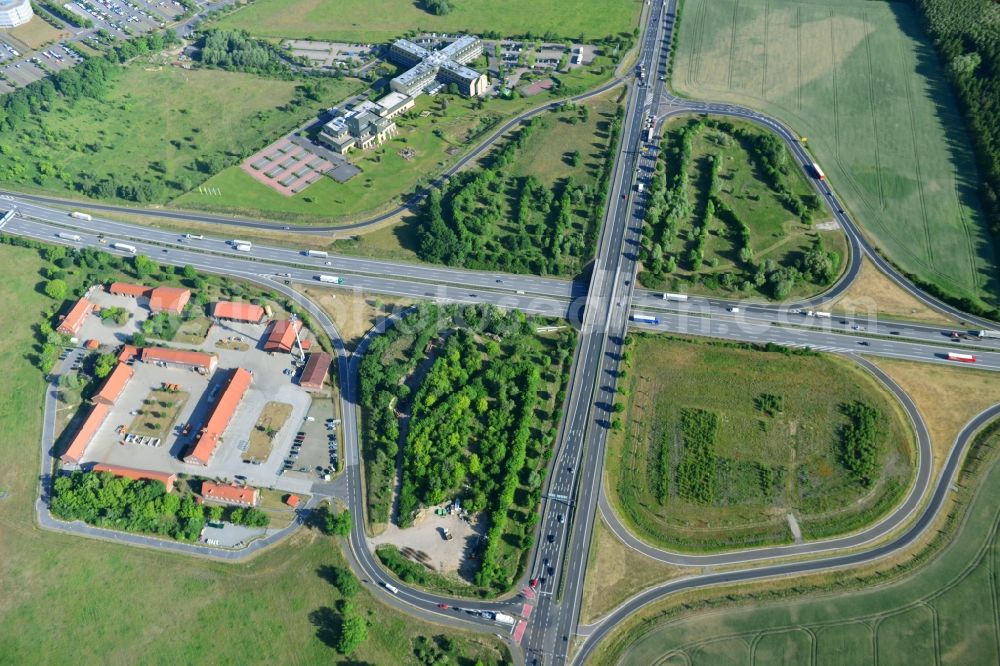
932,603
777,447
361,21
861,83
51,608
615,572
874,294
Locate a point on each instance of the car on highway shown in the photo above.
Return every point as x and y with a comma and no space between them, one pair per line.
561,519
551,538
443,606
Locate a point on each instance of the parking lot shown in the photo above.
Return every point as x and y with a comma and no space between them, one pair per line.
331,54
425,542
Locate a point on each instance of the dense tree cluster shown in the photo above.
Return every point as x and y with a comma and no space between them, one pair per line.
696,469
967,33
123,504
861,442
236,50
490,220
662,247
66,15
437,7
474,419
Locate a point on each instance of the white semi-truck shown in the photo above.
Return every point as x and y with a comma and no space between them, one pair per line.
124,247
667,296
316,253
65,235
989,334
81,216
332,279
243,247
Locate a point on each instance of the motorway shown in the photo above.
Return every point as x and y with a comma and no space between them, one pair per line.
602,307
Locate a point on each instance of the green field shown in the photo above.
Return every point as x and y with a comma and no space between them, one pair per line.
437,132
770,462
383,20
152,127
861,84
67,599
780,232
943,613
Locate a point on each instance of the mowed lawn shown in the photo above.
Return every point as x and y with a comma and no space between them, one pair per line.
860,83
73,600
945,613
155,123
382,20
800,444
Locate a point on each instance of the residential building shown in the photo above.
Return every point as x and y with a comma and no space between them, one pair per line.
239,495
233,311
72,321
78,445
168,299
222,414
315,371
114,384
200,360
446,66
281,337
165,478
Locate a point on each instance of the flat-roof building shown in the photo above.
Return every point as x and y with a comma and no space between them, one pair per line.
281,337
446,65
15,12
222,414
394,104
233,311
359,128
205,362
114,384
165,478
78,445
315,371
73,320
241,495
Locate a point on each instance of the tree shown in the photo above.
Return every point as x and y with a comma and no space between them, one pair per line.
437,7
189,272
56,289
344,581
104,365
338,524
353,632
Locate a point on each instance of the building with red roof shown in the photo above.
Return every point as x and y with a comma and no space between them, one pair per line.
114,384
292,501
127,353
70,323
241,495
165,478
206,362
247,312
129,290
168,299
225,408
281,337
78,445
315,371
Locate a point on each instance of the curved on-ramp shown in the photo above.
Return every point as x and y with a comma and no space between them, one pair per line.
930,511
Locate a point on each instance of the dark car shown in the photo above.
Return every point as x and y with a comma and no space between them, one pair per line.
552,538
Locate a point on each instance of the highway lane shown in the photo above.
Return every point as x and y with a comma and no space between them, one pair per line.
240,266
570,494
55,221
908,537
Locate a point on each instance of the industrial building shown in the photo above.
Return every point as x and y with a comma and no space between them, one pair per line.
201,361
222,414
77,446
281,337
14,13
315,371
114,384
444,66
165,478
232,311
159,299
73,320
239,495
